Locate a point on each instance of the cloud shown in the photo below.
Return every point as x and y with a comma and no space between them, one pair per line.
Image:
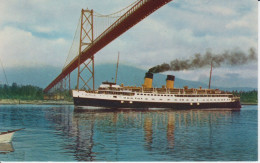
43,29
245,22
21,48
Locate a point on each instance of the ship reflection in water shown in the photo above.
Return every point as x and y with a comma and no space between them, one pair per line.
6,148
145,136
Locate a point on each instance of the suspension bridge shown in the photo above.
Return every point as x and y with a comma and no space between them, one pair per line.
94,32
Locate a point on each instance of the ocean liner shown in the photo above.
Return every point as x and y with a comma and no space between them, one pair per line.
111,95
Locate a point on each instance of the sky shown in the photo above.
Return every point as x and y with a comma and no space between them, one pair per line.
40,33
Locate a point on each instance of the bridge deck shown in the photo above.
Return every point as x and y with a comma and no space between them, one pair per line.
134,15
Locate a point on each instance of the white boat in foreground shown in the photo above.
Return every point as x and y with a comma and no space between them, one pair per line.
6,137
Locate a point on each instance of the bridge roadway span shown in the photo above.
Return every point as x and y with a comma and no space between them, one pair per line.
133,16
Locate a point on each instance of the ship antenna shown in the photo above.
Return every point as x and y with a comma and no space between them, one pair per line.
210,73
117,66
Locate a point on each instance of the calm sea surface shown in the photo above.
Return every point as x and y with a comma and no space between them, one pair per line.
58,133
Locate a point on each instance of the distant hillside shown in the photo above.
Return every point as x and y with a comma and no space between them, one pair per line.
42,76
37,76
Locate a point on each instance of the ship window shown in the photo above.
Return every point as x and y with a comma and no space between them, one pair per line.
115,96
137,93
141,94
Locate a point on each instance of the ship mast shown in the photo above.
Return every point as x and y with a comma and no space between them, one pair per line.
117,66
210,75
4,71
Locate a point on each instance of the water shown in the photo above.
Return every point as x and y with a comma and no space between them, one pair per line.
58,133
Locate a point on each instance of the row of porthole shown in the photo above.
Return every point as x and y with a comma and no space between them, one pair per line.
179,99
153,95
176,99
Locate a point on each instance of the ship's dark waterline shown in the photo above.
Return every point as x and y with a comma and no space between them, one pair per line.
117,104
61,133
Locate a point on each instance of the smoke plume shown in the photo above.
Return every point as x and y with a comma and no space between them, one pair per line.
199,61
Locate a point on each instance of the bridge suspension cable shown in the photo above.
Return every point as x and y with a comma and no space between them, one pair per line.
101,23
116,14
74,48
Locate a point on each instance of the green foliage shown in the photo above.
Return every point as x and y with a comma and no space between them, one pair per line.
247,97
66,94
27,92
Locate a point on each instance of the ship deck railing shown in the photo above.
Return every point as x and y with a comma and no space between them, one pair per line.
179,92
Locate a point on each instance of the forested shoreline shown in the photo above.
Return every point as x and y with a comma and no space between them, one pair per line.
22,92
247,96
29,92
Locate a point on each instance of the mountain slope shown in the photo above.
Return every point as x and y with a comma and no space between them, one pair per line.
42,76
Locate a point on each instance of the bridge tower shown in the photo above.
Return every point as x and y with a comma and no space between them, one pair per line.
86,39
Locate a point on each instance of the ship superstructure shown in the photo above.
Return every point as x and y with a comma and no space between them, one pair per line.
111,95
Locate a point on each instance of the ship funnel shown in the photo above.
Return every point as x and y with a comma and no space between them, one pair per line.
148,81
170,81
